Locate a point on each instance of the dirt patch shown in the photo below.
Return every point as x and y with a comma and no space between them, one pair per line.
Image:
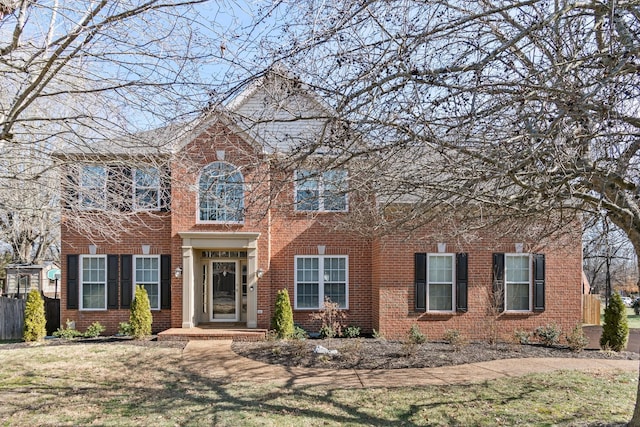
369,353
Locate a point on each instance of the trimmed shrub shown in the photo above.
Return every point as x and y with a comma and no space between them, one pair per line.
140,317
282,320
35,321
577,340
68,333
94,330
615,330
124,328
352,331
548,335
415,336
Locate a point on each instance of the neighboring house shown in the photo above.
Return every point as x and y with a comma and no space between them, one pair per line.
221,230
22,278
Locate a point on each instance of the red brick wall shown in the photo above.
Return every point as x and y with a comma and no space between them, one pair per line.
155,232
394,274
381,272
186,169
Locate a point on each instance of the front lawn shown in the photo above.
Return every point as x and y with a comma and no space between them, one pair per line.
633,319
119,384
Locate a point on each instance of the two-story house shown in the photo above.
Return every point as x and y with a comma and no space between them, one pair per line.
212,219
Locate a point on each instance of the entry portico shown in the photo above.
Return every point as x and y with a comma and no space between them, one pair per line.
219,276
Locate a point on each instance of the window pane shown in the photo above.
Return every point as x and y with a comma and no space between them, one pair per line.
440,297
441,269
307,295
517,268
517,296
93,296
335,190
336,292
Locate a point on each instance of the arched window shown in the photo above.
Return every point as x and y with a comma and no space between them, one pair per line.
221,191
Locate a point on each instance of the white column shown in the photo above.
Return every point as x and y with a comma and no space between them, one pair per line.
188,288
252,288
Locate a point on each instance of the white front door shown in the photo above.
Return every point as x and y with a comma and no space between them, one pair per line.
224,288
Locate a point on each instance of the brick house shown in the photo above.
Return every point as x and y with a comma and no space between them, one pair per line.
213,231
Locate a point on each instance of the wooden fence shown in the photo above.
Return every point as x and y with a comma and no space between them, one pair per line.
11,318
52,313
591,309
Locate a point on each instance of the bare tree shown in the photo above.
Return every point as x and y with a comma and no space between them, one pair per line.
507,109
88,77
609,258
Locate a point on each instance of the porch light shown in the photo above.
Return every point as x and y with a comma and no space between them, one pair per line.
259,273
178,272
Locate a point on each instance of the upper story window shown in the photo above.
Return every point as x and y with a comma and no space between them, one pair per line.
146,189
93,187
221,193
321,191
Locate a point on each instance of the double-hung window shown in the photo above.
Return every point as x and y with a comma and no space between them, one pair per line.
147,274
93,279
321,191
517,282
440,281
321,277
146,189
92,187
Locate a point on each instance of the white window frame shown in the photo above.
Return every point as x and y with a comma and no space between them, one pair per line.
507,282
321,280
319,178
96,193
82,283
199,196
452,283
152,171
136,282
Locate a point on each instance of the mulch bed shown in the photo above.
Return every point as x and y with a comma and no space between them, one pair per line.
370,353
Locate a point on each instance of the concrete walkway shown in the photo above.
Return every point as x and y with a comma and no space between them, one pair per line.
215,359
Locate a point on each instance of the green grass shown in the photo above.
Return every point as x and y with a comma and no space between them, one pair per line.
126,385
632,319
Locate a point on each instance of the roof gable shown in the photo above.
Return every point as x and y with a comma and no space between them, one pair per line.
279,112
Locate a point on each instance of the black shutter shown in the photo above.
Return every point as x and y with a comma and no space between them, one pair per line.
126,286
421,281
462,282
72,281
165,281
165,188
498,281
112,281
538,282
